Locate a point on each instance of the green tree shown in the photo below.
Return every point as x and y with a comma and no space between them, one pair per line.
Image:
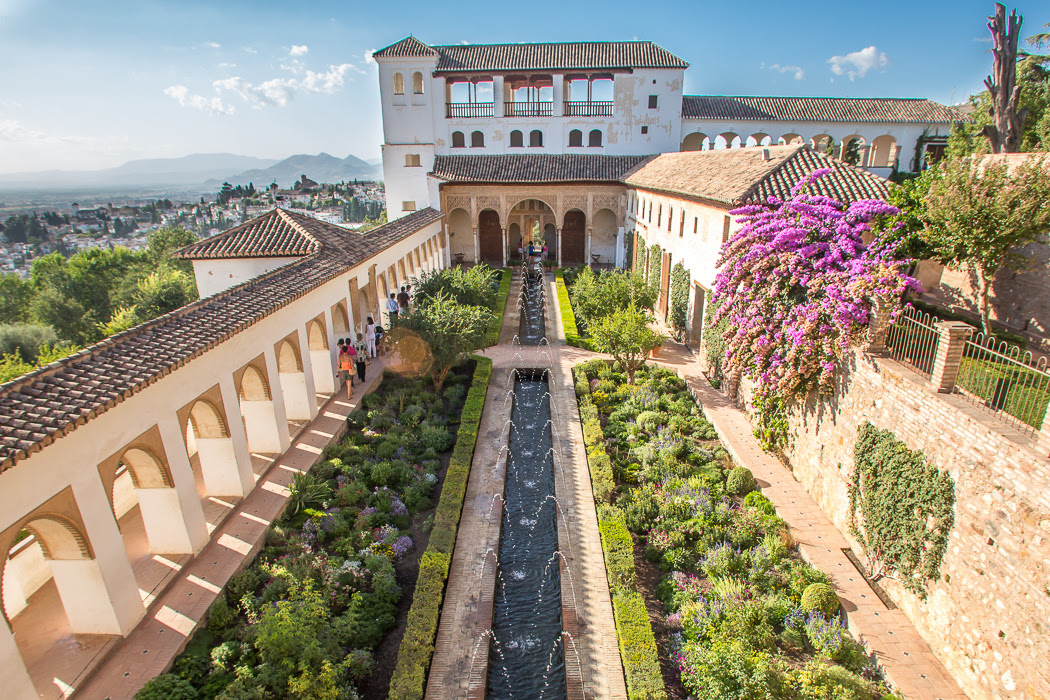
160,244
625,334
979,213
596,295
163,291
15,296
448,331
472,286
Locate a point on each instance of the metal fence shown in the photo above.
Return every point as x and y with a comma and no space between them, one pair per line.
912,340
1002,379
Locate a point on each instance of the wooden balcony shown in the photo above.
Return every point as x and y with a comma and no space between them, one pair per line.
469,110
588,109
528,109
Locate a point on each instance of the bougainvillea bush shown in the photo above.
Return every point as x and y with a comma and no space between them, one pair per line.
732,586
304,619
798,287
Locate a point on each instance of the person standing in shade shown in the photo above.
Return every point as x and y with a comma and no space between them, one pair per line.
346,364
370,337
392,308
520,251
361,357
402,300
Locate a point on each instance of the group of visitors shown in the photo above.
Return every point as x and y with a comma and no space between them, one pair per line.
534,250
398,303
355,356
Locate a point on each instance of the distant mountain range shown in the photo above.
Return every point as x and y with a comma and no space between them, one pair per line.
204,170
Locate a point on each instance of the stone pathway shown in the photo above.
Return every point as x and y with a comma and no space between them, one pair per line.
909,663
593,668
176,613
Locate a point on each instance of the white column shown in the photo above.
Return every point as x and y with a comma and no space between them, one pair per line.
260,427
239,473
280,415
620,247
309,373
163,521
558,230
17,683
504,246
587,252
559,95
100,595
477,245
173,440
497,95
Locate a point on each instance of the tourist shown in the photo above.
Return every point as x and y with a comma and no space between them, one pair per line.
543,254
379,338
345,364
402,300
361,357
392,308
370,337
520,251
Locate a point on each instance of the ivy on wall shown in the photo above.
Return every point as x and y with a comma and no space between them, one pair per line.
679,298
655,262
901,509
639,264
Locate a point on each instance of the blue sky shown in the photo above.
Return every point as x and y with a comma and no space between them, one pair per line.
87,85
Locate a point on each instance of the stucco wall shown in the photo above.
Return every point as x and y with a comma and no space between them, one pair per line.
988,616
216,275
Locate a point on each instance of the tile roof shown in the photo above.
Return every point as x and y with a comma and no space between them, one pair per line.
819,109
561,167
46,404
739,175
577,55
274,234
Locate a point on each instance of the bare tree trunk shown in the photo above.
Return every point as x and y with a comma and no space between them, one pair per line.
983,290
1004,133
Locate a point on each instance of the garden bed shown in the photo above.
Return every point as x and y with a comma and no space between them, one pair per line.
322,610
737,613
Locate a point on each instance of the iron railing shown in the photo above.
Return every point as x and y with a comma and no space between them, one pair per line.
588,109
469,110
528,109
1005,381
912,340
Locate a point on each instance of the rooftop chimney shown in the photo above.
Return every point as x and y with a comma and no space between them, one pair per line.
765,154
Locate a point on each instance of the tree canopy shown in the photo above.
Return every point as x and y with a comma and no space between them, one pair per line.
596,295
625,334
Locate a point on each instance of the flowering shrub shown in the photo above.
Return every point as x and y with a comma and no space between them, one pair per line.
797,286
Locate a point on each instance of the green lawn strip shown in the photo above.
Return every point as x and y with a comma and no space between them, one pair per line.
633,629
568,318
492,336
1027,397
417,646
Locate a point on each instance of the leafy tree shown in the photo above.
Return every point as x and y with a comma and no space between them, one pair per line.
15,295
979,213
625,334
162,292
596,295
472,286
25,339
441,333
902,232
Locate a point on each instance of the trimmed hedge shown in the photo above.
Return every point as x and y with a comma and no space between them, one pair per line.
568,318
492,335
634,630
417,646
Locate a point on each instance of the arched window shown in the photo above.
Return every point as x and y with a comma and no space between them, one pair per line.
595,139
536,138
516,139
399,84
477,139
417,83
457,139
575,137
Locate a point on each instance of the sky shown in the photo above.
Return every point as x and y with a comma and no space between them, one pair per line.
87,84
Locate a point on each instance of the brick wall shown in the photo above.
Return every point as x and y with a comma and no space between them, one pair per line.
988,617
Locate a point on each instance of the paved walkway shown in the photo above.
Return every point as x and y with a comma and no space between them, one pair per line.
909,663
593,668
174,616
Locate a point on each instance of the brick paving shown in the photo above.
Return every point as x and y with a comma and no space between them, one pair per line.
909,663
174,616
593,668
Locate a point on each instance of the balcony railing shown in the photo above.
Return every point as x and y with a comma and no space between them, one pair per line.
469,110
528,109
588,109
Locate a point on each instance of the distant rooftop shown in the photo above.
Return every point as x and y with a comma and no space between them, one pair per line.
819,109
577,55
515,168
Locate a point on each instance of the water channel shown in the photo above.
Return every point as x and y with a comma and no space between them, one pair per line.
526,659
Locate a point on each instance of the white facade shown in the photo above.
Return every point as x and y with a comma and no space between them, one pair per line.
215,275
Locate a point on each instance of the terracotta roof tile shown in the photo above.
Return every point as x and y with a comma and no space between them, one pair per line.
739,175
562,167
274,234
577,55
53,400
820,109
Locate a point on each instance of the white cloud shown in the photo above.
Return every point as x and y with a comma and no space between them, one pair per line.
299,50
368,57
13,131
213,44
857,64
212,105
983,39
797,70
248,49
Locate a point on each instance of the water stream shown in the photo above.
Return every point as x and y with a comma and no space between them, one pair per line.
532,329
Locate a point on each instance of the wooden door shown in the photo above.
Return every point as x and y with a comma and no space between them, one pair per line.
573,238
490,237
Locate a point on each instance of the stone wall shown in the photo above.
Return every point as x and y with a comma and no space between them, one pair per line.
988,616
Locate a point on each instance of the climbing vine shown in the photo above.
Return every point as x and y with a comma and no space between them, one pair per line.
679,297
655,262
905,507
715,345
639,264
